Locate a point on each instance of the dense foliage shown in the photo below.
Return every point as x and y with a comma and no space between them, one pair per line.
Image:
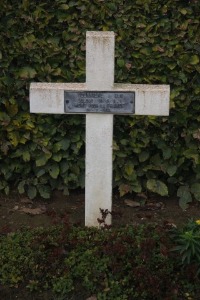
157,41
125,263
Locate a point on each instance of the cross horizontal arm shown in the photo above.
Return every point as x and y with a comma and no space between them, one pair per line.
149,99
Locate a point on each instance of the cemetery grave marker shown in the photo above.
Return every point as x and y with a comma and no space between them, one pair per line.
99,98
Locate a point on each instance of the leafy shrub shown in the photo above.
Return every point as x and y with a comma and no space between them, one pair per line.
135,262
187,241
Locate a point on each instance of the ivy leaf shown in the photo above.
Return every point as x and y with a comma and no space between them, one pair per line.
129,169
4,119
143,156
32,192
195,189
21,187
183,11
64,166
171,170
64,144
57,157
192,154
124,189
41,161
157,186
112,6
64,6
40,172
136,187
26,156
54,171
194,60
120,63
184,196
14,138
44,191
167,152
27,72
121,154
6,190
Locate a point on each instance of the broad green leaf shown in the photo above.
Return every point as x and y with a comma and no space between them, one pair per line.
105,28
44,191
183,11
115,146
29,124
120,154
156,160
174,93
41,161
64,166
120,63
64,7
112,6
32,192
56,147
194,60
157,186
4,118
21,187
143,156
64,143
27,72
167,152
57,157
54,171
129,168
14,138
145,51
65,191
184,196
124,142
40,172
195,189
136,187
26,156
7,190
171,170
12,109
171,66
192,154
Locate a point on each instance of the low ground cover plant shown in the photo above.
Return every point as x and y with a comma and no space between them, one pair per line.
133,262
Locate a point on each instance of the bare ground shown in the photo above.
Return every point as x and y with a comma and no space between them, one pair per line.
18,211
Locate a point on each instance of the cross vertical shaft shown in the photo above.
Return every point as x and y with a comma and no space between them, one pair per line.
99,128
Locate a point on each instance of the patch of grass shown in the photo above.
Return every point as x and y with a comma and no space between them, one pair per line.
133,262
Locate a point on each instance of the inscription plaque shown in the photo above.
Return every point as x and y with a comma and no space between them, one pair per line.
99,102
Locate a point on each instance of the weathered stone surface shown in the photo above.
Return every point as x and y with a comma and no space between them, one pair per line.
149,100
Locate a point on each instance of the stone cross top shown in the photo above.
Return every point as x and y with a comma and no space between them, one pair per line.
99,98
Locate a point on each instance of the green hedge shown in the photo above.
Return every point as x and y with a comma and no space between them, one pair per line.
157,42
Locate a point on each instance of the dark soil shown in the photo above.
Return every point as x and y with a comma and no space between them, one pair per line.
17,211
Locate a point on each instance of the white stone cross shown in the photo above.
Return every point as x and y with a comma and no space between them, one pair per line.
149,100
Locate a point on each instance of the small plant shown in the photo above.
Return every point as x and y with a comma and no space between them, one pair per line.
187,241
